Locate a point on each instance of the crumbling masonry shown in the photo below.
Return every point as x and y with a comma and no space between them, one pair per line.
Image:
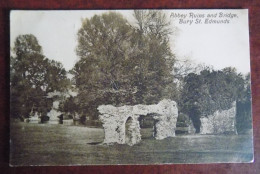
221,121
121,124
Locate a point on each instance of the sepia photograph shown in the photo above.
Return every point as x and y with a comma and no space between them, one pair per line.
116,87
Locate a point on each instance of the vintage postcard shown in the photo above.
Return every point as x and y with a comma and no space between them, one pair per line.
106,87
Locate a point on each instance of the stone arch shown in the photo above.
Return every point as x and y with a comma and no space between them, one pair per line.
132,130
114,121
129,128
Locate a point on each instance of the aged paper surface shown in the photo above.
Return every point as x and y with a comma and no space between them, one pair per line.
107,87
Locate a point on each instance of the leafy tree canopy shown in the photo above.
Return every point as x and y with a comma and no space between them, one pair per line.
32,77
211,90
123,64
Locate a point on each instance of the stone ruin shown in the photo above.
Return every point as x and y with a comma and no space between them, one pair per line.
54,114
220,122
33,118
121,124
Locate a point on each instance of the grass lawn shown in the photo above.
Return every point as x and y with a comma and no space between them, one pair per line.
45,144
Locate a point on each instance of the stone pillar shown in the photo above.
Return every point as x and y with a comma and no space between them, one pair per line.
165,129
113,128
167,119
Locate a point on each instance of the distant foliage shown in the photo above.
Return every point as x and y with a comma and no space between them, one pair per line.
212,90
244,112
69,107
121,64
32,77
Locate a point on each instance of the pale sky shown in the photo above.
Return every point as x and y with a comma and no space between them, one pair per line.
219,45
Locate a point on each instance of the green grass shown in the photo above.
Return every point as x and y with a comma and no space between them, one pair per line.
43,144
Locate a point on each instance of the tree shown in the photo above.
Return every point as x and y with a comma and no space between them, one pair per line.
182,68
26,44
119,64
56,77
191,93
154,30
209,91
104,48
32,77
244,116
69,107
153,22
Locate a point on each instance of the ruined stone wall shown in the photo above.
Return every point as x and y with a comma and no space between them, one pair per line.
58,97
35,118
54,113
114,120
219,122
